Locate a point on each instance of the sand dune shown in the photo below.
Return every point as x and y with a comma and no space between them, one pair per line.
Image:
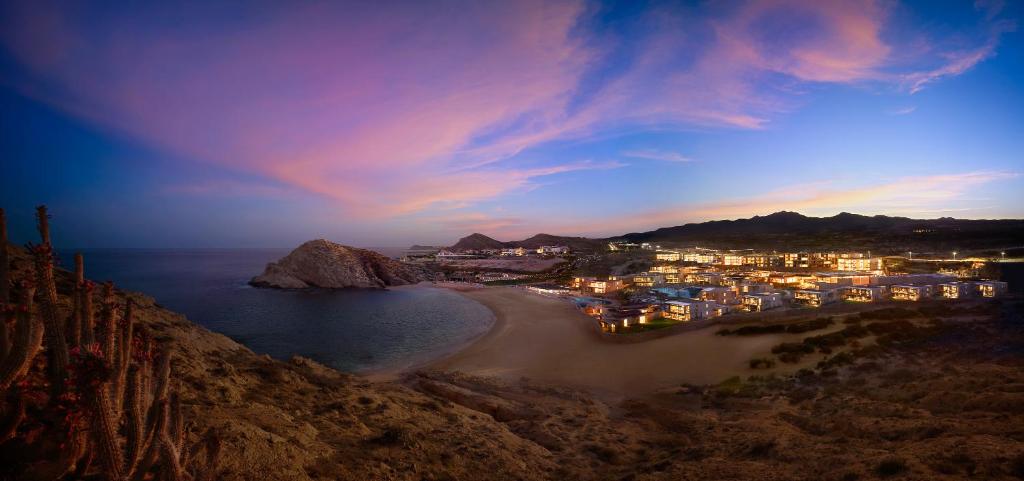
547,339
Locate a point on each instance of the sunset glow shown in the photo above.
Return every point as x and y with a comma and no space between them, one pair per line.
200,125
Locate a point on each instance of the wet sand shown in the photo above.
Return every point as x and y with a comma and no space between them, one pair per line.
547,339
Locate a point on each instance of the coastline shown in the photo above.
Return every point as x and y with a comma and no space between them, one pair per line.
395,373
548,340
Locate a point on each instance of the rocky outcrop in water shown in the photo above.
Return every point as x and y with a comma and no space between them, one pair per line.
324,264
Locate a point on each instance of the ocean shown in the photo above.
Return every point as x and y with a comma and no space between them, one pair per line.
353,330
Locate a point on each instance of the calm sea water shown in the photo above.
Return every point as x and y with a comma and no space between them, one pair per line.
352,330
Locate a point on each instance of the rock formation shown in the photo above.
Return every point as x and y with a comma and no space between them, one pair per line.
321,263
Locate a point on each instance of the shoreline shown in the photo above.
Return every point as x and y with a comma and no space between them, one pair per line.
548,340
396,373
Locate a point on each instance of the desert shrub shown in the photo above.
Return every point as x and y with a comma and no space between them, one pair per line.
762,363
812,325
394,436
891,467
793,347
840,359
890,313
729,386
790,357
605,454
794,328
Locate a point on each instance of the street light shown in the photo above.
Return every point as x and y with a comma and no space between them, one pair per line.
1002,256
954,255
911,254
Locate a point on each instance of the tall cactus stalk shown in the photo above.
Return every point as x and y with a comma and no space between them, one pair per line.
56,343
88,314
5,284
5,273
28,339
75,320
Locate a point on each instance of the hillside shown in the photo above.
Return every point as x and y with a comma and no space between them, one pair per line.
481,242
325,264
476,242
791,230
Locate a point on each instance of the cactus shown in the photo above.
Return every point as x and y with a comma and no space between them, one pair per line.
5,274
56,343
5,284
74,328
28,338
112,414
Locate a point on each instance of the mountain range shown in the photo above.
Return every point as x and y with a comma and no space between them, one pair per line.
791,230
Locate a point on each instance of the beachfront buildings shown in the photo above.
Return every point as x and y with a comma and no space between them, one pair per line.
911,292
761,301
815,298
699,257
648,279
515,251
731,260
686,311
859,264
548,289
667,256
720,295
957,290
863,293
991,288
553,250
596,287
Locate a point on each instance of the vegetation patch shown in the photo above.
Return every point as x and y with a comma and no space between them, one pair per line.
762,363
792,328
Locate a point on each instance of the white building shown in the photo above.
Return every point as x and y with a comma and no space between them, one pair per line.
762,301
553,250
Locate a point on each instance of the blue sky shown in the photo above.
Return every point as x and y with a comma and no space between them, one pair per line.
221,125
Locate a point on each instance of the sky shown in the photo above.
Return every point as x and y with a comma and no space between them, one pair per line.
265,124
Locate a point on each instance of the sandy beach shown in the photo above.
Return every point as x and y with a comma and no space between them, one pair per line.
547,339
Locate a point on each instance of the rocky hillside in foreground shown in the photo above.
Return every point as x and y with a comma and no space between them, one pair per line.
325,264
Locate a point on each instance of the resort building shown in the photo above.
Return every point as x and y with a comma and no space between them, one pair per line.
673,278
991,288
815,298
753,288
517,251
720,295
667,256
553,250
762,261
597,287
863,293
648,279
731,260
910,292
448,255
687,310
762,301
797,259
699,257
548,289
665,269
721,310
957,290
861,264
843,278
